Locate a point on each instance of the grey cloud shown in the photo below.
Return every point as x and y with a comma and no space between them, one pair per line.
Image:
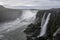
54,0
41,3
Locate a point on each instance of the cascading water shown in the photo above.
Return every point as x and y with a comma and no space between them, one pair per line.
43,20
44,24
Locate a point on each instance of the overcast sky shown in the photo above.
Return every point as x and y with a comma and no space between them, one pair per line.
48,3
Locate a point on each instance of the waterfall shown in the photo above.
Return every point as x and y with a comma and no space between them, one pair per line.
43,20
44,24
28,14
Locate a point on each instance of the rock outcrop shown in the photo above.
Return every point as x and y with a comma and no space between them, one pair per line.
33,30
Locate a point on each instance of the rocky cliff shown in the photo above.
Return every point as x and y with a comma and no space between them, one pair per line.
33,30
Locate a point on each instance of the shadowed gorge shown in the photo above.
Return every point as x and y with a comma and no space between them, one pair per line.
9,14
14,21
29,24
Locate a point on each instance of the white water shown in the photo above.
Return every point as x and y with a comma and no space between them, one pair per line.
44,24
26,15
57,32
43,20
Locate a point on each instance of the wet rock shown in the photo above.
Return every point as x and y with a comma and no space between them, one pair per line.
53,25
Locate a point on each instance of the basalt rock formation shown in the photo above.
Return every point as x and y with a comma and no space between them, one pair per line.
34,29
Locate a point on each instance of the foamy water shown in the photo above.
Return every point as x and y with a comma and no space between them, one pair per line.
27,15
44,25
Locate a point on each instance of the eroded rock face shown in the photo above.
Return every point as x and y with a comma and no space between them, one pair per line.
53,24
